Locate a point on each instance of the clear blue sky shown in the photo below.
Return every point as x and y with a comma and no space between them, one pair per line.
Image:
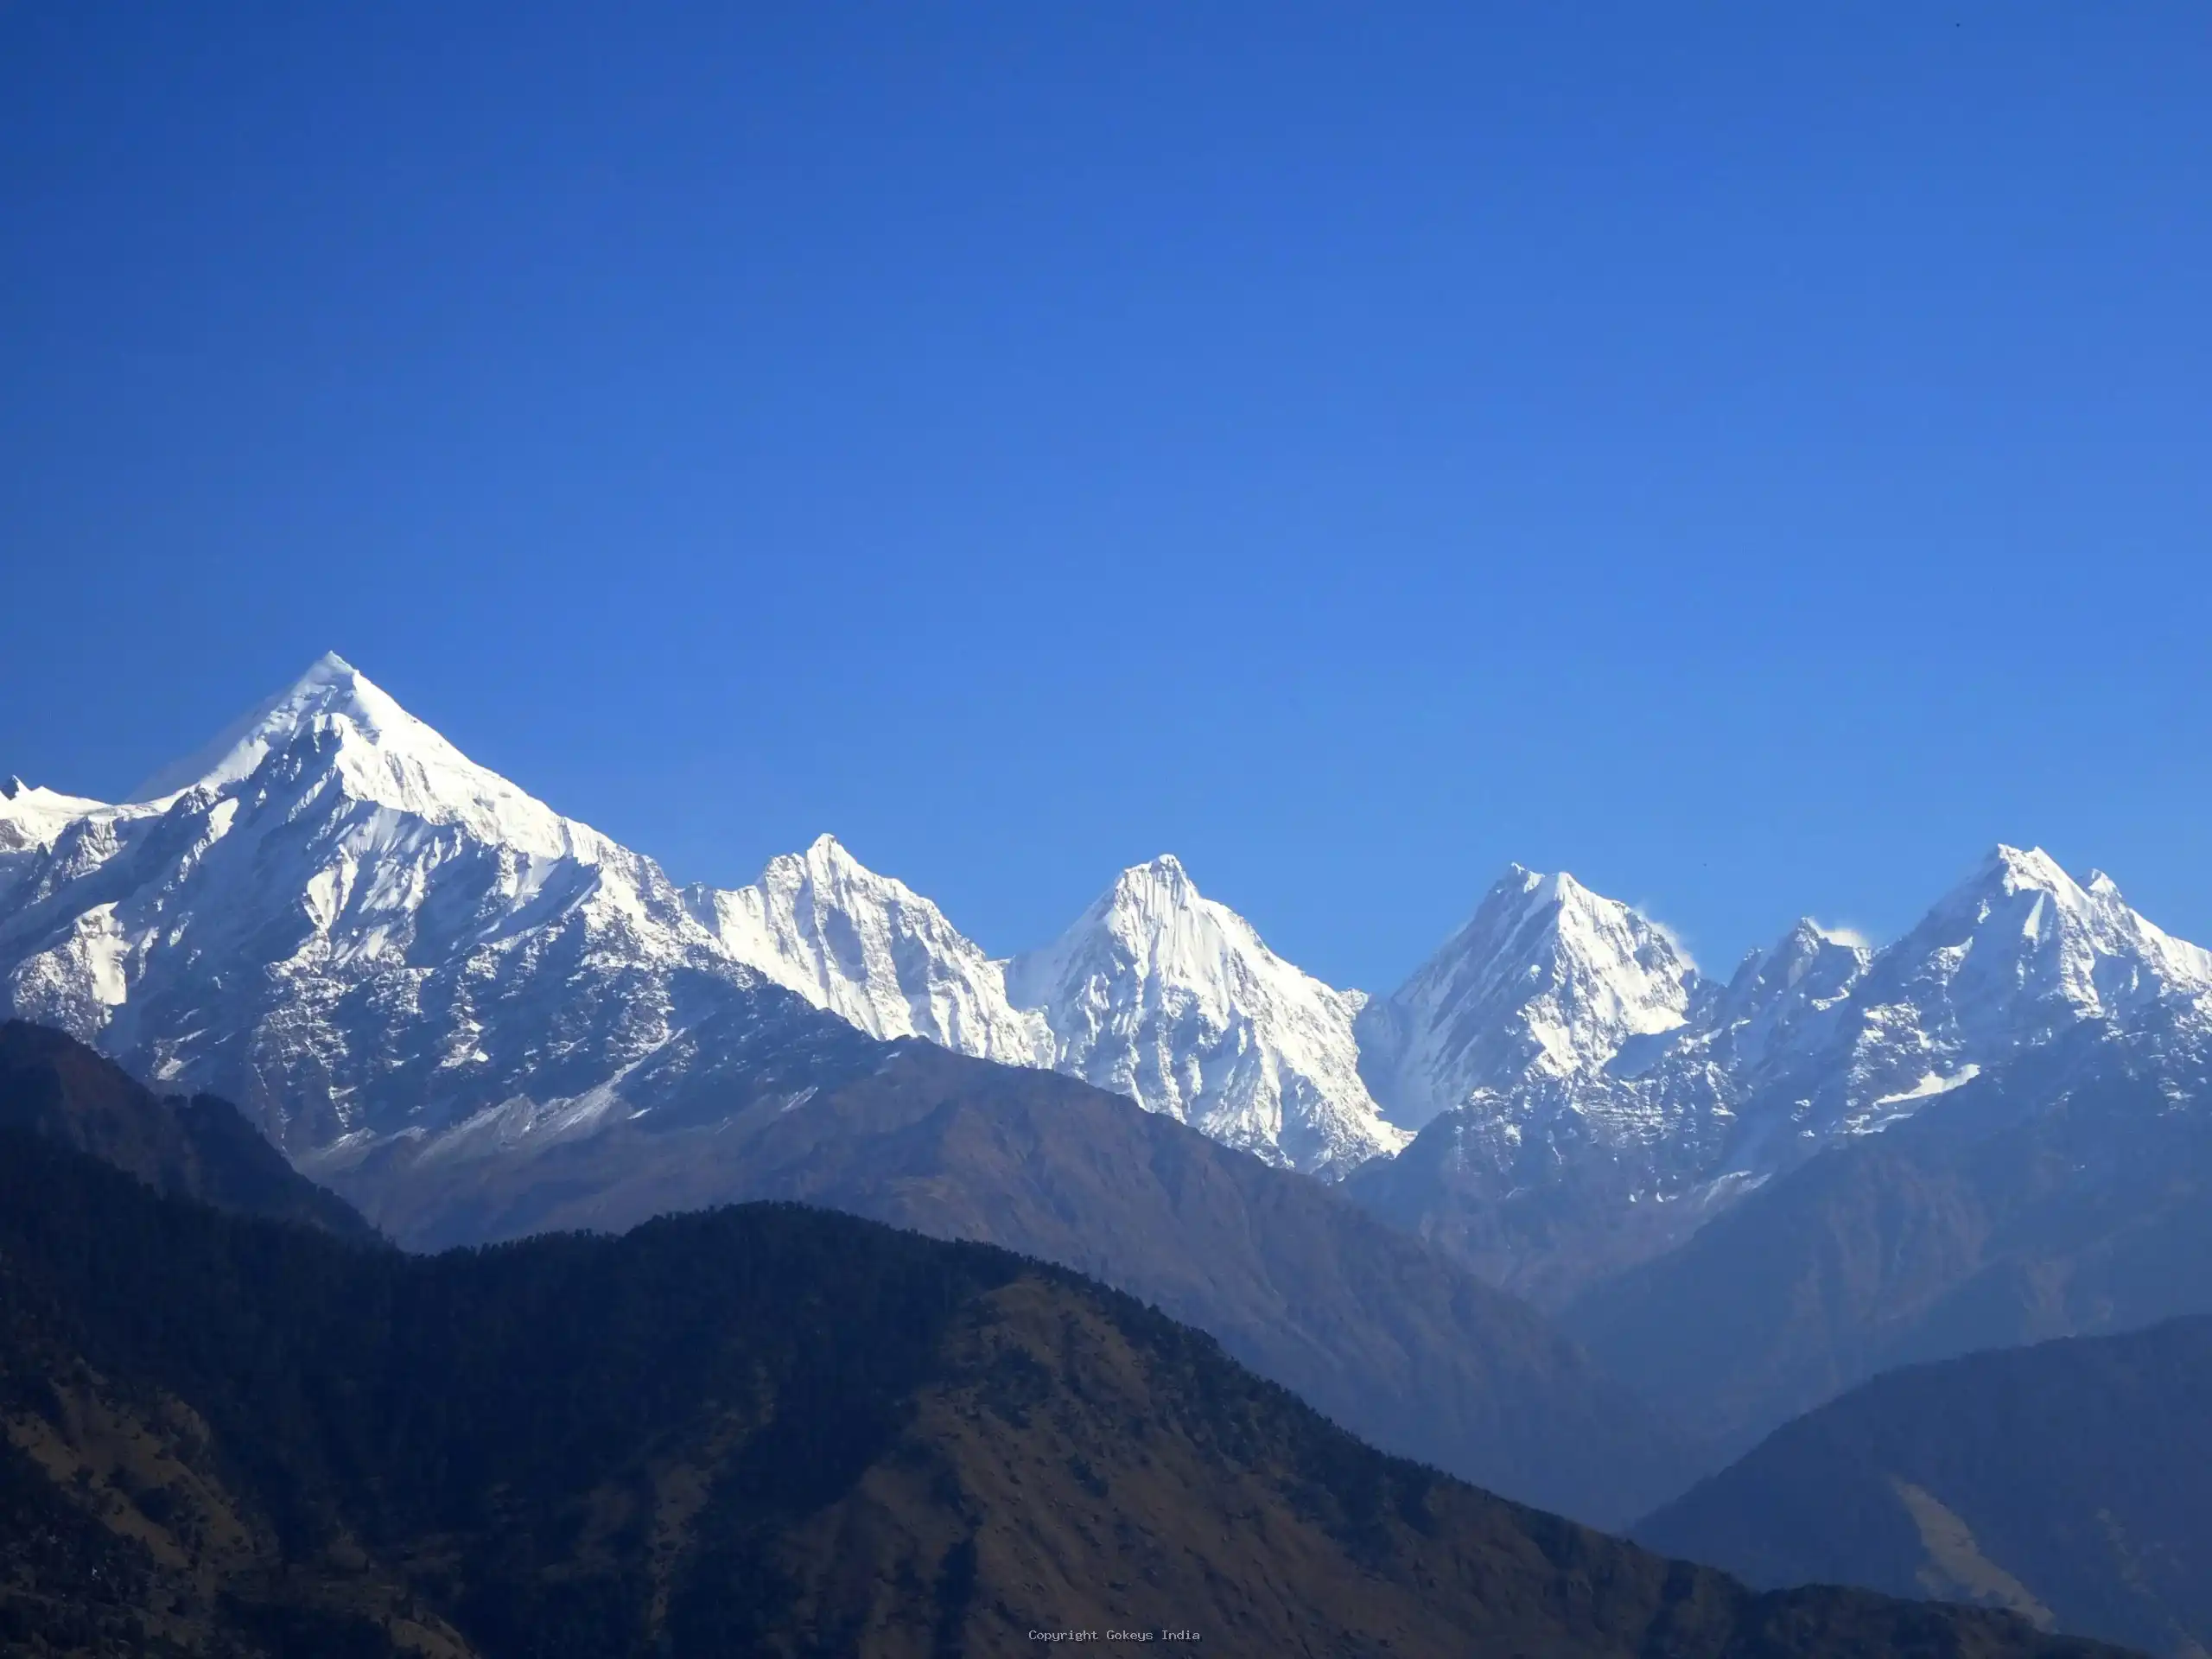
1753,456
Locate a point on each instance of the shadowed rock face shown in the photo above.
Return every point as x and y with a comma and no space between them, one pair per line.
2064,1480
1377,1329
760,1430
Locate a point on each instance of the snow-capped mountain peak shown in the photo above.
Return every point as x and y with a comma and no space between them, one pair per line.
1547,978
2016,953
1821,963
377,753
1161,993
1785,998
335,917
331,687
1163,929
1157,884
871,950
2021,927
333,914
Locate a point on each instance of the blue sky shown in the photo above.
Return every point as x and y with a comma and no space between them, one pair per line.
1754,457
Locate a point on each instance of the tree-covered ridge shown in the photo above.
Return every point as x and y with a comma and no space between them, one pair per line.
195,1146
761,1429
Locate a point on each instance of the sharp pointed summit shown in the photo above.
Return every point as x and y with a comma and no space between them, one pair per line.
1547,977
370,928
331,685
1160,993
871,950
335,722
2011,958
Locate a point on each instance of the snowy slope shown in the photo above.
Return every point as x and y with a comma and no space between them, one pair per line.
1548,980
2014,956
873,952
332,915
337,919
1160,993
1588,1099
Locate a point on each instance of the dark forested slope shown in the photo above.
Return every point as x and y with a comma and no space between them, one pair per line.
1380,1331
760,1430
196,1146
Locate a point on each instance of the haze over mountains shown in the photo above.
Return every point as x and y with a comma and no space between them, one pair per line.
332,916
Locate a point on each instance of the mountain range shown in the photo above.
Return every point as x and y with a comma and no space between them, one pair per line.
333,917
1452,1218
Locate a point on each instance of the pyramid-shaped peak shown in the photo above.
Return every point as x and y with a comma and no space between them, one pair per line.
827,859
1562,888
2028,867
1542,888
1551,902
329,683
1165,874
330,686
1529,916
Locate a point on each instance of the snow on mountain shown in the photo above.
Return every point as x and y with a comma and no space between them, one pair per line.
1160,993
2015,955
1785,999
382,755
332,915
1573,1070
31,818
32,821
1157,993
1554,998
335,917
873,952
1549,980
